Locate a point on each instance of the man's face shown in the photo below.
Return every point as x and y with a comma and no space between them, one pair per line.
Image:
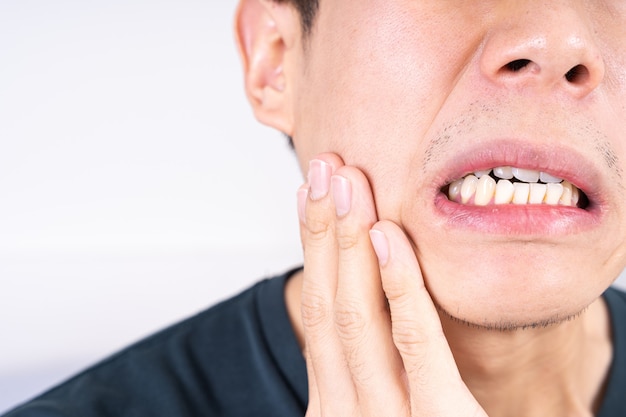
421,93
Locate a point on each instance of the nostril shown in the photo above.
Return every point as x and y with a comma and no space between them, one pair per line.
517,65
577,74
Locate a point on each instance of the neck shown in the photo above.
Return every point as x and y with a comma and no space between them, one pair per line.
557,370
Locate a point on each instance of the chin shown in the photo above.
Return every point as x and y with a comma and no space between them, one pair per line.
495,290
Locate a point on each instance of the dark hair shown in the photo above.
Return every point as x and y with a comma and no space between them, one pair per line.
307,10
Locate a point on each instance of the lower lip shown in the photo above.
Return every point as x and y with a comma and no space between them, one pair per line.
517,220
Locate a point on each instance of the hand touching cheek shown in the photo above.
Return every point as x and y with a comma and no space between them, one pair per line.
374,343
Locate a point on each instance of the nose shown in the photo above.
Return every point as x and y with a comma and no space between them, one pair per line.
549,47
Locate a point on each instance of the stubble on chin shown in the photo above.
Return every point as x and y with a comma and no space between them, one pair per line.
508,325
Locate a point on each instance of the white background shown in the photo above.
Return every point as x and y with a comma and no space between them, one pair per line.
135,186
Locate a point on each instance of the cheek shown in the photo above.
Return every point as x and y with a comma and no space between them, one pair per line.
373,87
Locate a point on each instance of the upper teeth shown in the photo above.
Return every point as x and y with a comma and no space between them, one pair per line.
483,188
526,175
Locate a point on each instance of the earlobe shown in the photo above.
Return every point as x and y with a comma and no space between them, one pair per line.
266,34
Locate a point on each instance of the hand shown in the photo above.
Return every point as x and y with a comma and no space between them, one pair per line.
374,342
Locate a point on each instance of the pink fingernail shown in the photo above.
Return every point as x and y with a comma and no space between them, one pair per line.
381,246
342,194
319,178
303,193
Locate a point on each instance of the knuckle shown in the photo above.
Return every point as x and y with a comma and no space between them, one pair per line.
361,373
318,230
347,241
350,322
352,328
398,295
316,311
418,353
409,340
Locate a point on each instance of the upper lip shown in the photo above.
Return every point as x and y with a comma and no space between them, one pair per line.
559,161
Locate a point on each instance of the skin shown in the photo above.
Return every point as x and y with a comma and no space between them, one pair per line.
410,305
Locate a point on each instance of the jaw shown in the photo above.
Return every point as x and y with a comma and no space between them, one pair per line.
503,265
497,281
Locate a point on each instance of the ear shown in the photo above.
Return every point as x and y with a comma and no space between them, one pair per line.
267,34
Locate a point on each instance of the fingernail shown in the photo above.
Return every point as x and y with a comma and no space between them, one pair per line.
342,194
319,178
381,246
303,193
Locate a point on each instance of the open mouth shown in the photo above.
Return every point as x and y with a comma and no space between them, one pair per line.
517,186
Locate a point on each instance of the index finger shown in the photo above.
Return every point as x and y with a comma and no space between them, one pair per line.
435,384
